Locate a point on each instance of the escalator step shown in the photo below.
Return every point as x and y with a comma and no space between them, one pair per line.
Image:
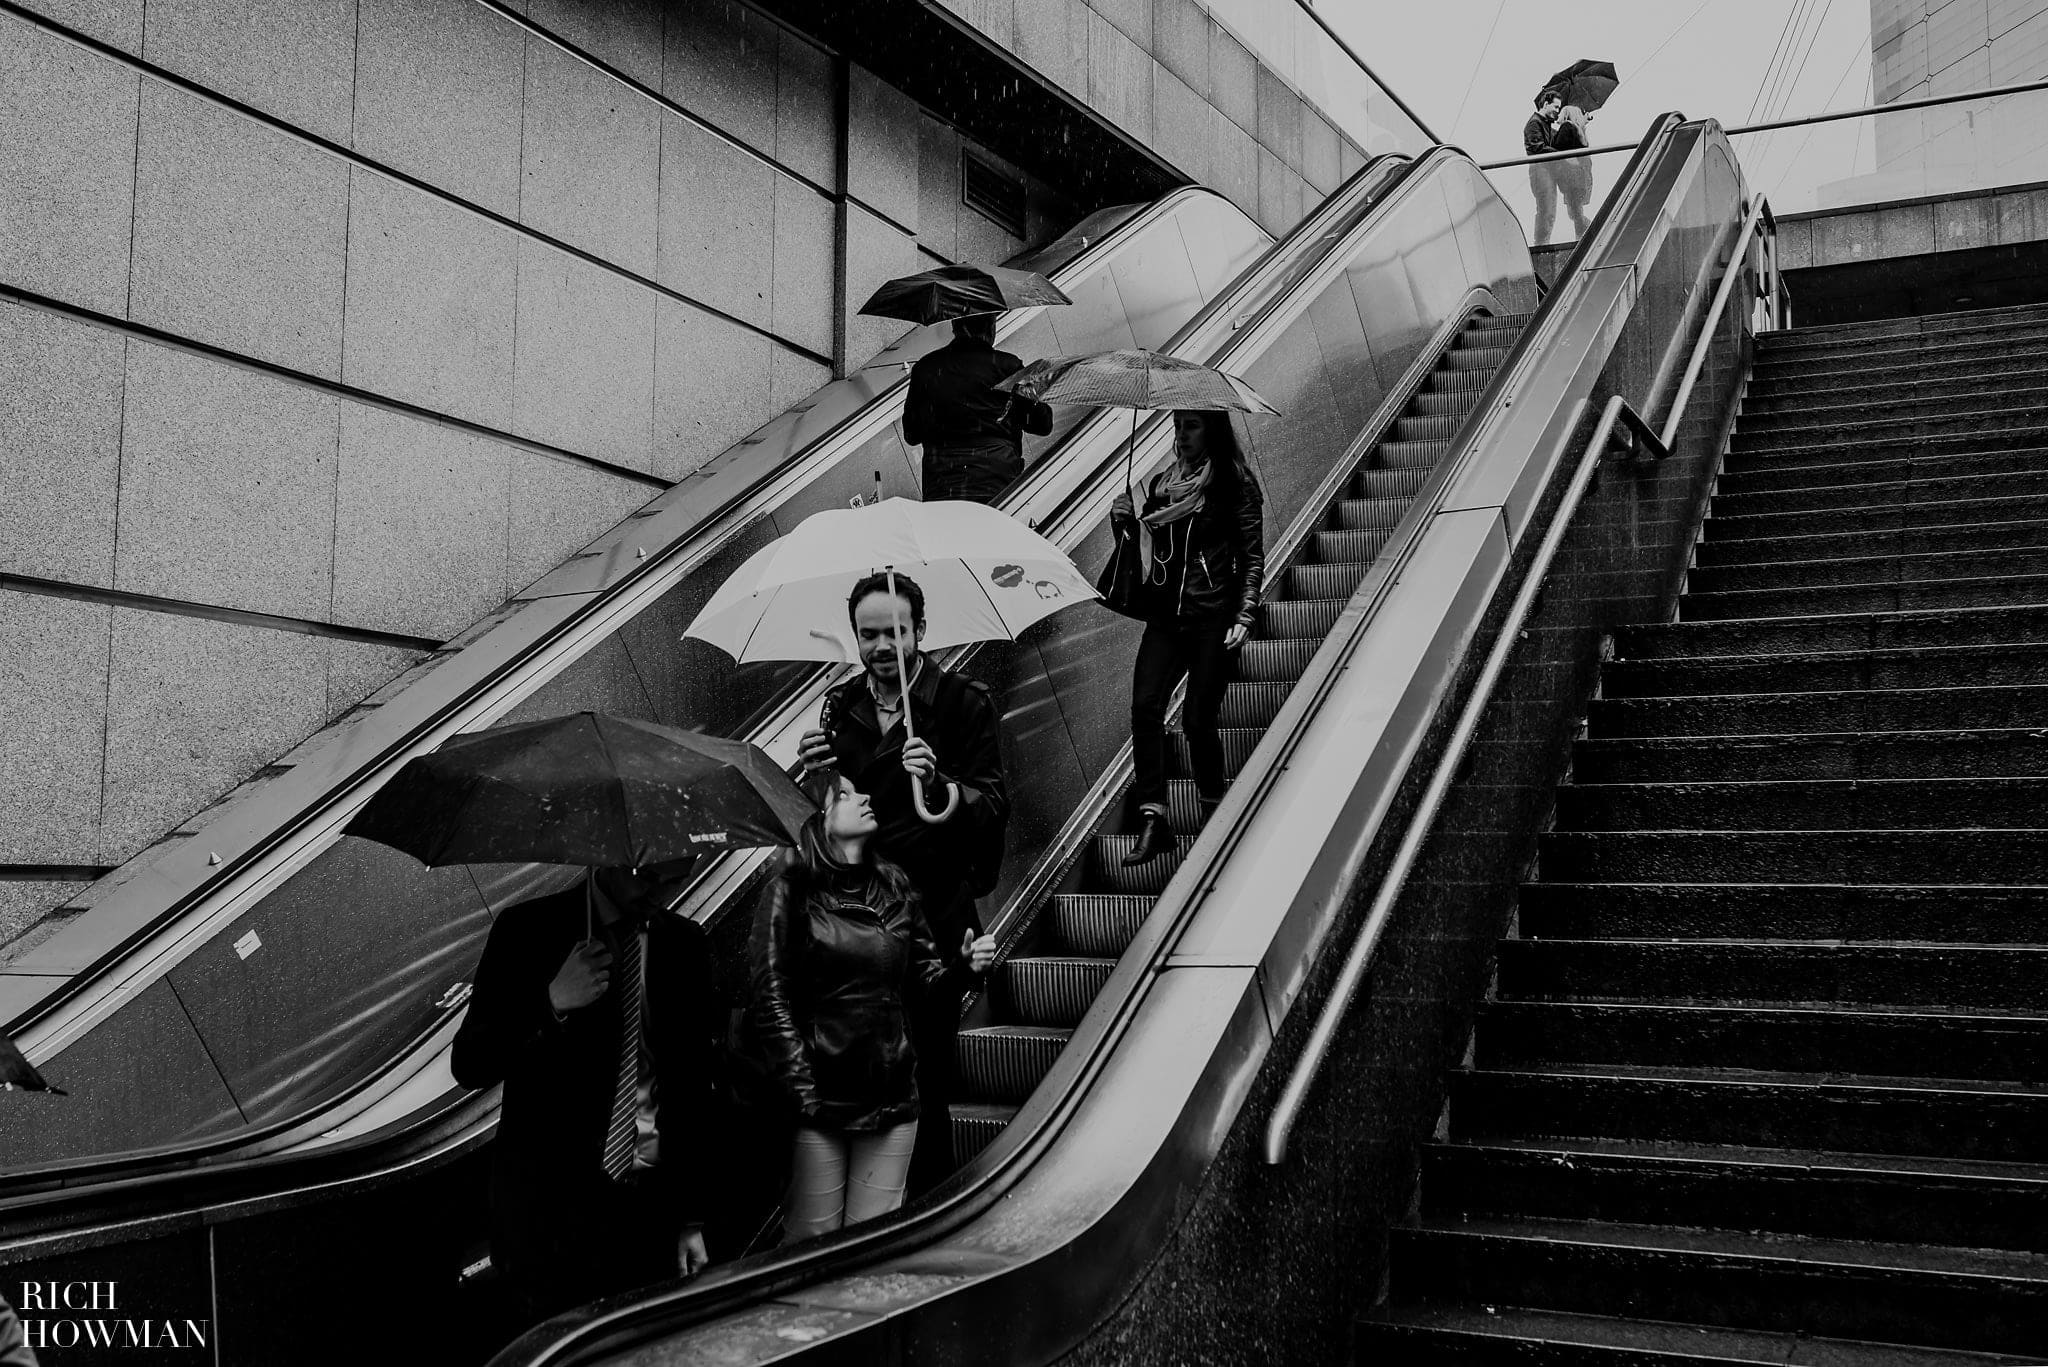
1106,872
1096,925
1479,358
1466,382
1426,427
1303,617
1238,744
1253,704
975,1127
1358,515
1399,482
1183,808
1409,457
1262,661
1455,403
1339,580
1003,1063
1055,992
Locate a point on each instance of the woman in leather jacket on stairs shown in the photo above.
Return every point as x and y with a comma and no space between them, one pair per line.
1201,539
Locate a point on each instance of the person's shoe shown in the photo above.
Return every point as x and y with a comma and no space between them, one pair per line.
1155,838
1208,806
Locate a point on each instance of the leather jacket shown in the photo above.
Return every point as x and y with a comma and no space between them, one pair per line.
1211,567
835,971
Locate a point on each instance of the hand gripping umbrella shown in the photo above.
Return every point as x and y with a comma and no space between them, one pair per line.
957,291
986,577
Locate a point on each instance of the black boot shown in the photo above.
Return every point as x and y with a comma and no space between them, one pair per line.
1155,838
1208,806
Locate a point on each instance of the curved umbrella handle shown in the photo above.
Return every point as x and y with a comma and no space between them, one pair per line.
917,795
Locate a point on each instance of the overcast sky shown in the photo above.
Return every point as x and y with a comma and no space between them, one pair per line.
1469,68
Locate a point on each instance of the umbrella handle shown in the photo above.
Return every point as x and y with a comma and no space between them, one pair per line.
952,800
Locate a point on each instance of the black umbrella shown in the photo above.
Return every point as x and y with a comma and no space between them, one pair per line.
1585,83
591,789
18,1074
957,291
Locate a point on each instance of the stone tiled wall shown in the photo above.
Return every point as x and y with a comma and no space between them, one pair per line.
325,325
1989,218
1172,78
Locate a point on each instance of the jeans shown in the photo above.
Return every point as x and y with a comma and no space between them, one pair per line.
1168,651
840,1177
975,474
1543,185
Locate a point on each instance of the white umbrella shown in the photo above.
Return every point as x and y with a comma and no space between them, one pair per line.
985,576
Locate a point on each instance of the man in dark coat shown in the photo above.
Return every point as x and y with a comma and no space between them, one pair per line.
972,432
599,1175
1536,140
950,862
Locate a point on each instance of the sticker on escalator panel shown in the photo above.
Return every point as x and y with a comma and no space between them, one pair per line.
248,944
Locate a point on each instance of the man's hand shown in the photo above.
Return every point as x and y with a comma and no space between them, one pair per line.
919,761
582,978
815,750
1235,637
1120,506
690,1254
979,953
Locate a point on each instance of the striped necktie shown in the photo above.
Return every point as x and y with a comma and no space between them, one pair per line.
619,1142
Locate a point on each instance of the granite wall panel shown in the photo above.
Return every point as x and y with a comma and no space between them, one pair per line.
585,358
711,386
559,508
296,61
193,706
623,34
67,160
591,160
882,148
938,187
53,674
1133,18
1233,79
1119,78
1236,162
439,86
721,60
60,435
716,212
1180,40
420,516
876,250
356,669
115,22
1183,126
432,293
240,234
803,251
807,110
1051,37
227,486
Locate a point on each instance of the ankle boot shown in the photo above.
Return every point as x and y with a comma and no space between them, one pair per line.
1207,807
1155,838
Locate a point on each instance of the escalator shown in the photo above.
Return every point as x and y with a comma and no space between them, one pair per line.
404,1121
1113,1207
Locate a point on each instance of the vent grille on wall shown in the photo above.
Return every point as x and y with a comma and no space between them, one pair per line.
992,193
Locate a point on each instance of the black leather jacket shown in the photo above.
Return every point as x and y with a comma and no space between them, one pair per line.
1211,568
834,973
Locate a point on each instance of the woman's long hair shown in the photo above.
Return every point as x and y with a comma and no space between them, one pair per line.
1232,480
877,880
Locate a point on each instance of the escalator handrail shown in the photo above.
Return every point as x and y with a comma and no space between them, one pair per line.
377,744
1365,944
1377,182
978,1188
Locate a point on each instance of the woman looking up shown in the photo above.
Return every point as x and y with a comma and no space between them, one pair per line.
839,953
1200,538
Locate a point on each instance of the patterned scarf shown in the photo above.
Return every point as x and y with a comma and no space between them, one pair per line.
1184,493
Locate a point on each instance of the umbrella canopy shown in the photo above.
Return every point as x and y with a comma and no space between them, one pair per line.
18,1074
957,291
607,792
1134,379
1585,83
985,576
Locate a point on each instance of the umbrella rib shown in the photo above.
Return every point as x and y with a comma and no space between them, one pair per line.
612,763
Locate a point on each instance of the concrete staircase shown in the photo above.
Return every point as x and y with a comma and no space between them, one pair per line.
1044,986
1766,1075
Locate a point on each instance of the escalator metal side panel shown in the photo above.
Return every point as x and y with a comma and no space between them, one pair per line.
1176,1053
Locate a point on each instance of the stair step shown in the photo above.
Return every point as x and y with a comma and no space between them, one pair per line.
1705,1186
1912,595
1051,992
1979,1299
1300,618
1869,569
1887,517
1905,404
1517,1336
1818,1040
1253,704
1849,709
1908,629
1761,474
1919,803
1980,977
1802,380
975,1127
1005,1063
1827,671
1463,381
1776,395
1966,536
1756,911
1106,872
1275,661
1457,403
1987,428
1804,349
1481,358
1402,466
1874,492
1955,1119
1096,925
1339,579
1933,858
1414,426
1966,320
